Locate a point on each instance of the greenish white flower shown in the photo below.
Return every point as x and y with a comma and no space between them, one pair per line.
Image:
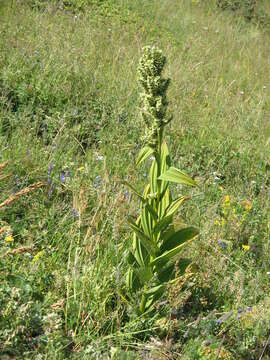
153,96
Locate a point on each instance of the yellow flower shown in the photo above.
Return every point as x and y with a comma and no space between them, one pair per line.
227,199
245,247
38,256
223,222
9,238
81,168
217,222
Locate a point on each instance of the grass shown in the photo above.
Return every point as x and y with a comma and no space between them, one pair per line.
69,118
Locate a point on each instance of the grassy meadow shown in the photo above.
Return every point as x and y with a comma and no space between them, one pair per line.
70,132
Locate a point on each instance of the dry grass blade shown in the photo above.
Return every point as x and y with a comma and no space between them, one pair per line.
3,165
22,192
3,229
20,250
3,177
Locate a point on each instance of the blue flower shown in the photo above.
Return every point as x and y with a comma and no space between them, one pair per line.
126,194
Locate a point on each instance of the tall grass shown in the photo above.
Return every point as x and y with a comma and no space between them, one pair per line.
69,119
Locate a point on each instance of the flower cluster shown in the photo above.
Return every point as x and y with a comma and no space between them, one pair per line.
153,97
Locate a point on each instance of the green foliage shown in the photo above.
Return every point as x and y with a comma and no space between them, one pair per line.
251,9
66,4
157,241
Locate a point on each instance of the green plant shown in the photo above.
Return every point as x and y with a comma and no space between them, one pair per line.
247,7
157,240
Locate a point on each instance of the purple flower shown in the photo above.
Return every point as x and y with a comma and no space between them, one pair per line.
126,194
50,168
98,181
75,213
222,244
218,321
49,181
249,308
239,312
50,191
62,177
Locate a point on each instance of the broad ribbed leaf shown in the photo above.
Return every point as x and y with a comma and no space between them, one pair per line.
162,224
164,163
146,222
168,255
148,244
147,203
178,238
153,295
165,157
144,274
156,289
164,200
177,176
132,281
139,252
175,205
182,265
144,154
153,177
132,260
166,274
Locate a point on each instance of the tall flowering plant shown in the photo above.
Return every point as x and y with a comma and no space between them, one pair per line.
157,241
